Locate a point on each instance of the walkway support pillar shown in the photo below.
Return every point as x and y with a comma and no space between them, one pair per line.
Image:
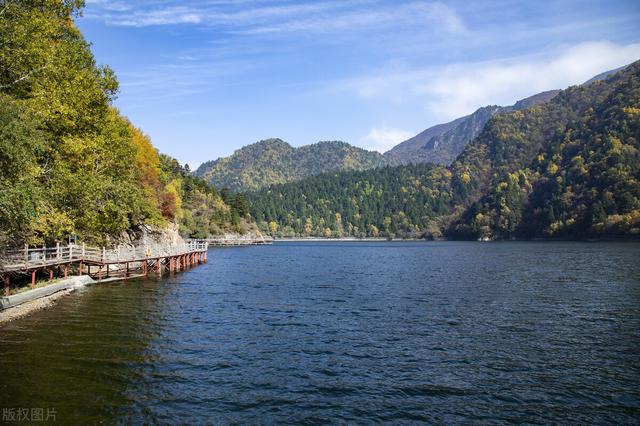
33,278
7,284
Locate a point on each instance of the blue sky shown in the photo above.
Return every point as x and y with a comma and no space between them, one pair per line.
204,78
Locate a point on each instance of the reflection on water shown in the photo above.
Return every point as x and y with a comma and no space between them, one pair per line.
312,332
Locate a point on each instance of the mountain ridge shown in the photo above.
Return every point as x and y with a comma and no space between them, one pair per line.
568,168
271,161
441,144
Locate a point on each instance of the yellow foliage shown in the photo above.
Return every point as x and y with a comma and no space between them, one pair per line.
147,160
51,224
552,168
616,146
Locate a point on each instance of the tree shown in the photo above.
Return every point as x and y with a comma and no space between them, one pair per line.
273,227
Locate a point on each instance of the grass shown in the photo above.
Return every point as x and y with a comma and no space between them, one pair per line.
39,284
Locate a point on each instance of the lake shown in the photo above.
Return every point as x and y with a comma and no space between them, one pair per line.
310,333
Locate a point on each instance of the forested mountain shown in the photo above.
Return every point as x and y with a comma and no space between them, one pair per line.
569,167
441,144
275,161
604,75
69,161
387,201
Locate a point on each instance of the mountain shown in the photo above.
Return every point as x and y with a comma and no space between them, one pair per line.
274,161
441,144
604,75
567,168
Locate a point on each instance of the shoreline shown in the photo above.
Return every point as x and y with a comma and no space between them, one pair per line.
444,240
28,302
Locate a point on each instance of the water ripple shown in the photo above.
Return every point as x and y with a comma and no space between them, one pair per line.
348,333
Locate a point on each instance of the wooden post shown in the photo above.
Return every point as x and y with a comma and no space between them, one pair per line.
57,250
7,284
158,270
126,271
26,253
33,278
80,268
83,250
51,276
66,271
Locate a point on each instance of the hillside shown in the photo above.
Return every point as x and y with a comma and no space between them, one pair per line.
70,163
570,169
274,161
566,168
441,144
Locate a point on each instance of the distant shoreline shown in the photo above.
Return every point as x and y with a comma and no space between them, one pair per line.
379,239
320,239
342,240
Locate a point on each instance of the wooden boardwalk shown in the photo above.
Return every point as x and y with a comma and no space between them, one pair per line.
101,262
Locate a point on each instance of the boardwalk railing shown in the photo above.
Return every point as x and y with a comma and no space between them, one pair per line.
29,258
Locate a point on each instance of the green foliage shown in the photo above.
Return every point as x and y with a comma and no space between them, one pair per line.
69,161
380,202
22,149
198,207
274,161
566,168
570,170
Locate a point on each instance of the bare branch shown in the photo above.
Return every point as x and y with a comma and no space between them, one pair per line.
24,77
6,6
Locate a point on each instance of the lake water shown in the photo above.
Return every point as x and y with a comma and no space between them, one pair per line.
308,333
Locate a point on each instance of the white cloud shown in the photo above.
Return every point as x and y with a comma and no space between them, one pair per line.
437,15
317,17
382,139
456,90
